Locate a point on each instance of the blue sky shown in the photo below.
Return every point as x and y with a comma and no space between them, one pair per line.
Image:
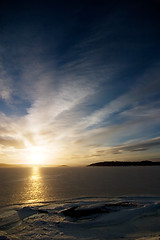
79,81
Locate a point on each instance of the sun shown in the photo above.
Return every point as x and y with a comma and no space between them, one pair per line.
36,156
40,154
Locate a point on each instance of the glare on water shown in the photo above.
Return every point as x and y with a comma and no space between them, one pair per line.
35,174
35,190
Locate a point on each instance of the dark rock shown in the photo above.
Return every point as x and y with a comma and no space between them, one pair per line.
42,211
79,212
85,211
121,204
4,238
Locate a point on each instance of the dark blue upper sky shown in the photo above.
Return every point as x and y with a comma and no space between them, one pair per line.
80,73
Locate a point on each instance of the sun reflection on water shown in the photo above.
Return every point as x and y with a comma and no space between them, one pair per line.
35,190
35,174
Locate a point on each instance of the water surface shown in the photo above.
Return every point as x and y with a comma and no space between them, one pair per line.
20,185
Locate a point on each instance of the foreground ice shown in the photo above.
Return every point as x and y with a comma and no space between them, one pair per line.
84,218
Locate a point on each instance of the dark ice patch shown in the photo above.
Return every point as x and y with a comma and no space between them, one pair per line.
85,211
79,212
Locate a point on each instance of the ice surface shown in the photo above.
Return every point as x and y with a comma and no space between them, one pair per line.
84,218
8,219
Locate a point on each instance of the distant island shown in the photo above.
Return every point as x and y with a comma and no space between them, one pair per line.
118,163
4,165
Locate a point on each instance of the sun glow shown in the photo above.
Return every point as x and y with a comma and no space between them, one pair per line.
36,156
42,154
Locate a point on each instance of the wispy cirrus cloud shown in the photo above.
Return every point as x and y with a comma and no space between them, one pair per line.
137,147
11,142
6,88
59,115
136,98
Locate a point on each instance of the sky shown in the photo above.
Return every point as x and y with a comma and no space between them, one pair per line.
79,81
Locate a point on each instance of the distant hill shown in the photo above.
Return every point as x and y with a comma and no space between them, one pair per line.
7,165
117,163
4,165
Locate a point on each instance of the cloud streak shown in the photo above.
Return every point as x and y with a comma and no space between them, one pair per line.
136,147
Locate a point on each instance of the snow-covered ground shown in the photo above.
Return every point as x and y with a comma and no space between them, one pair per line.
83,218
